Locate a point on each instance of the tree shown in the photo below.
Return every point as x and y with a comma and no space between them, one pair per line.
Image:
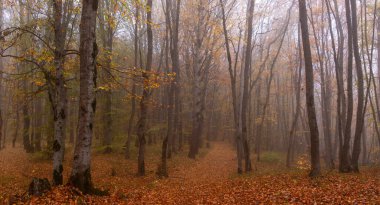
172,21
310,105
106,22
202,56
25,107
344,163
136,66
245,92
141,124
1,79
360,109
81,171
57,90
298,105
338,61
320,44
232,75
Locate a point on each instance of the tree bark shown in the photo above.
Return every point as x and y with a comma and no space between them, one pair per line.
133,97
312,118
17,124
247,73
172,22
325,95
141,124
1,79
57,92
338,61
344,165
106,13
232,74
81,171
298,105
360,82
38,124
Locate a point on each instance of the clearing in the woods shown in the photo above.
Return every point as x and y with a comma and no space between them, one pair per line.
211,179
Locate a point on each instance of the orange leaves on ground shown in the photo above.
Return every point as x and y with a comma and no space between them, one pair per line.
211,179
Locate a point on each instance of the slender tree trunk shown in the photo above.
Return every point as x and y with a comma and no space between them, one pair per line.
141,124
338,61
298,105
105,21
17,124
232,75
378,57
344,165
133,97
26,122
174,53
57,93
172,21
38,125
364,142
81,171
197,106
25,108
199,83
72,121
360,83
312,118
245,93
1,80
325,96
169,135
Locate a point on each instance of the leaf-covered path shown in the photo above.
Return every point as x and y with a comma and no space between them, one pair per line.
192,184
210,179
219,163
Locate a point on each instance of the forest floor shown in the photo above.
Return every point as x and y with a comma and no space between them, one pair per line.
210,179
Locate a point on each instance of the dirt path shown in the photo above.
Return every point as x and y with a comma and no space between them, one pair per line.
191,184
209,181
219,163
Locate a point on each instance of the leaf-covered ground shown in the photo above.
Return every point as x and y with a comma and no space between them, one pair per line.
211,179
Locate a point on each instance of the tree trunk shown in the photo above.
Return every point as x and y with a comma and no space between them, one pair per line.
198,84
344,165
325,95
81,171
360,83
141,124
169,135
105,20
232,74
197,106
38,124
133,97
172,21
174,53
57,93
298,105
72,121
245,93
312,118
338,61
364,142
1,80
26,121
25,108
17,124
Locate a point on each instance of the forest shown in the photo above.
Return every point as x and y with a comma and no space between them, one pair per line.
189,102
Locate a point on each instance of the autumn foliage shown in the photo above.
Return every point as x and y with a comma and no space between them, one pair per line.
211,179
